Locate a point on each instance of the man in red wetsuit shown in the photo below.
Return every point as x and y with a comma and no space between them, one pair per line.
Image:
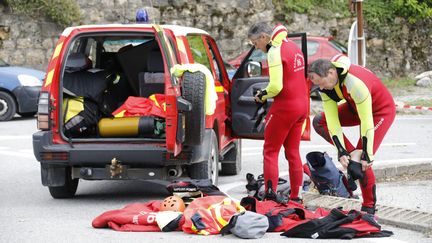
288,88
368,104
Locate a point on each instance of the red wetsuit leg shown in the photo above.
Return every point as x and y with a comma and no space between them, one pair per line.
347,118
275,133
292,154
382,122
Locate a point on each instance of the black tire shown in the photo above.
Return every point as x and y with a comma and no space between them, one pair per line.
208,169
232,163
7,106
68,190
193,90
27,114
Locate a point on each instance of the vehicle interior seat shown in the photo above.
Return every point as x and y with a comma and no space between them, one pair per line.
152,81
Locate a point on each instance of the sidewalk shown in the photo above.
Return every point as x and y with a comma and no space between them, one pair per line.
412,219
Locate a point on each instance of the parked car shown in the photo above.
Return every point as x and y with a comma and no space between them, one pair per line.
19,90
97,68
317,47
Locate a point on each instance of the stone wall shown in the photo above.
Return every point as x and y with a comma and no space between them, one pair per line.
30,42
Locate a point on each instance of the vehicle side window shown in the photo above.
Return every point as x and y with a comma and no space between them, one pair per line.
91,50
198,50
216,64
258,56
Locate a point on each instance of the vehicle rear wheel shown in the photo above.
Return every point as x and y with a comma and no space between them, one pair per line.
208,169
231,165
193,90
68,190
7,106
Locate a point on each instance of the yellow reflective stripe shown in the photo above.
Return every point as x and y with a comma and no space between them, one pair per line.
219,218
120,114
219,89
153,98
227,201
304,126
57,50
49,77
181,47
157,27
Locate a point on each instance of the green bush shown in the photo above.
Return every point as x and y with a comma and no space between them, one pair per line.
62,12
376,12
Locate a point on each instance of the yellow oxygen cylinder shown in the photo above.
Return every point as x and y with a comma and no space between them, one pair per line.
126,126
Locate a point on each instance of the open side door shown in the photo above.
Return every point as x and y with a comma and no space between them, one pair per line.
244,110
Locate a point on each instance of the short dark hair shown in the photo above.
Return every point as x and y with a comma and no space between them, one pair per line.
259,28
321,67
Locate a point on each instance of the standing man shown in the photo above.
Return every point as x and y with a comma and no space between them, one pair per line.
283,124
368,104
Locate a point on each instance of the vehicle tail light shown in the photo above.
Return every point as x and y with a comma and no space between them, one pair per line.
43,116
54,156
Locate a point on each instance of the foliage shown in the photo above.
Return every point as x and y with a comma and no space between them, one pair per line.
376,12
62,12
399,83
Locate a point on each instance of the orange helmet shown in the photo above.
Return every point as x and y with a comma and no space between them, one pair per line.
172,203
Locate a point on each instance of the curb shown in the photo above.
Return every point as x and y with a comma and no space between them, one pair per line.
410,219
397,170
412,107
400,217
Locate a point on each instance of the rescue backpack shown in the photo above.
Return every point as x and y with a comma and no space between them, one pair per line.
328,179
80,116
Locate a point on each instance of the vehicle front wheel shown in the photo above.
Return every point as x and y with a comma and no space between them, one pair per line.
208,169
68,190
7,106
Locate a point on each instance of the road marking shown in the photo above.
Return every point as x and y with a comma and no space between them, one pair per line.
414,118
315,146
17,154
6,137
227,187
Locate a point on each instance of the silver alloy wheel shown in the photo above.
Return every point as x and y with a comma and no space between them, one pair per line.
214,165
3,107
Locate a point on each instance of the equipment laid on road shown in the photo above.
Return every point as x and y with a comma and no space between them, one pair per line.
328,179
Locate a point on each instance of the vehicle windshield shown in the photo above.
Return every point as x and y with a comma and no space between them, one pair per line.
3,63
338,46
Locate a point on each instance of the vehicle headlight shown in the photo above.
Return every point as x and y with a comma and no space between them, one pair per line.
28,80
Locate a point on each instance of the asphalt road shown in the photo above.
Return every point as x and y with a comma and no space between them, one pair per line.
29,214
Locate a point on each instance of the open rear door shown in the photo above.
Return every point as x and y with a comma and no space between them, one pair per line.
245,112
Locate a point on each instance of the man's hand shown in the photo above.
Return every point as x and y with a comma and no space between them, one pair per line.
258,96
344,160
366,165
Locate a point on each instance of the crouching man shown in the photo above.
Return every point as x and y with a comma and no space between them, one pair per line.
368,104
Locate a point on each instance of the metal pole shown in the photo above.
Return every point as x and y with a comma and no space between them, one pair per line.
360,37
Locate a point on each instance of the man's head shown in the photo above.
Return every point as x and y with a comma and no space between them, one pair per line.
259,35
323,73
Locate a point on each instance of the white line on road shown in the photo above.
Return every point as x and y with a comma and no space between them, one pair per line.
8,137
227,187
17,154
322,146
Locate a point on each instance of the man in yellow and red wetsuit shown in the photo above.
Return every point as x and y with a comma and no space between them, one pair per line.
288,87
368,104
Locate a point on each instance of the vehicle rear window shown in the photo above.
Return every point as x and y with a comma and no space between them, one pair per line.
312,46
